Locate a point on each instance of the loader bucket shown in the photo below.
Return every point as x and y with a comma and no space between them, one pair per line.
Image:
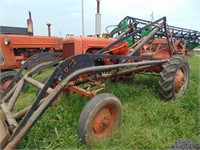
4,133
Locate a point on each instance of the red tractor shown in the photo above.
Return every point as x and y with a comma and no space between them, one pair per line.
18,44
84,74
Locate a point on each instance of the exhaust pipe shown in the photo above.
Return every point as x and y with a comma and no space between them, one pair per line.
49,29
30,25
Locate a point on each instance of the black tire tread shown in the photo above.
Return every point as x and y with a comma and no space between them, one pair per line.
5,74
167,75
181,144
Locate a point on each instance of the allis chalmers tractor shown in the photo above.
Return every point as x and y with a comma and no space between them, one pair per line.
84,74
18,44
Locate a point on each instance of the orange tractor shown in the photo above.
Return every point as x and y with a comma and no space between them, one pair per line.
84,74
18,44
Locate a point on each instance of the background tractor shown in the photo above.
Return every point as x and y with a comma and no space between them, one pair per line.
18,44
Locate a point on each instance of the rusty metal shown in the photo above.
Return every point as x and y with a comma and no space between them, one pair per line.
80,91
26,46
126,71
134,33
41,105
74,45
9,93
11,121
146,39
104,121
179,80
179,34
88,92
37,84
5,135
15,95
35,60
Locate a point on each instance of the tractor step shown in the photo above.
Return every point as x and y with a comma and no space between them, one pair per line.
4,133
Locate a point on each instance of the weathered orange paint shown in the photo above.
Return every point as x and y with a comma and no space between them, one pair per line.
159,49
28,45
179,81
74,45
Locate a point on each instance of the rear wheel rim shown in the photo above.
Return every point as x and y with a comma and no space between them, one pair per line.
180,81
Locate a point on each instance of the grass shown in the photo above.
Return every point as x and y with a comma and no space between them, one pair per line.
148,122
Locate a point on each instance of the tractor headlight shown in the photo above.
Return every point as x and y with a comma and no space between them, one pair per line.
6,41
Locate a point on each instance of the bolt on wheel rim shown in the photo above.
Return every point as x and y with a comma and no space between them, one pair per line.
180,81
104,121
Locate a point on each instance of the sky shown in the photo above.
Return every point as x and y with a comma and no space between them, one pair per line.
66,17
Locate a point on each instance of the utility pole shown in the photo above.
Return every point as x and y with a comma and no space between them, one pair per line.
82,9
98,20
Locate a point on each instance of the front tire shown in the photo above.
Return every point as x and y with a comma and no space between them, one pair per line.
174,78
101,116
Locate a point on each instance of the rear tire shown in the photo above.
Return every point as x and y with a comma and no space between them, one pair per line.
174,78
5,78
101,116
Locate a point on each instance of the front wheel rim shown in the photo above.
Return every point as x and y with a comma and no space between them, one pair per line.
104,121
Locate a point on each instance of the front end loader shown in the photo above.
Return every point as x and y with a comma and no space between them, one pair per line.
102,115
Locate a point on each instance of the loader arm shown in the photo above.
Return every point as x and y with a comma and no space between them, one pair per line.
31,63
65,72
